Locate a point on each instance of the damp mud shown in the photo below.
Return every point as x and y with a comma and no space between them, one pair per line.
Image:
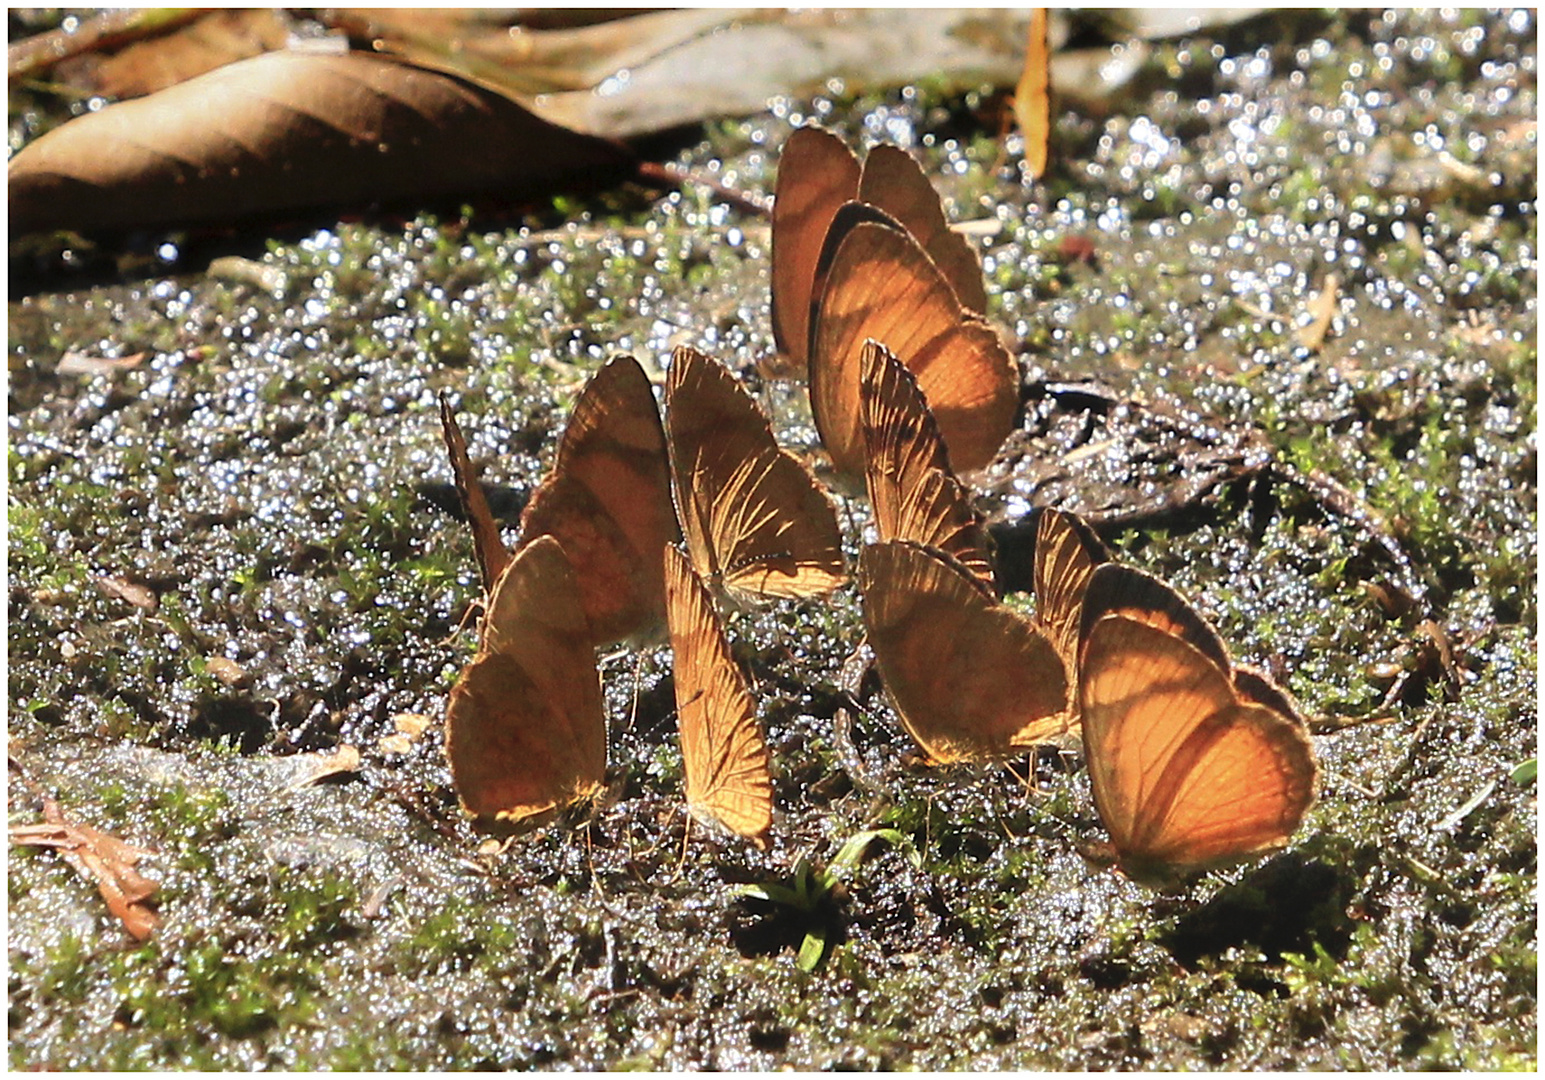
240,551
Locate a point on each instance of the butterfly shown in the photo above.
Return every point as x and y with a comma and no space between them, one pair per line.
723,752
1194,763
913,491
875,281
817,174
971,678
755,520
607,499
525,728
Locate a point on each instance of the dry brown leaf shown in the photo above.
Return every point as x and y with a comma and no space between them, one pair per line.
288,131
216,39
227,671
130,592
1032,97
104,859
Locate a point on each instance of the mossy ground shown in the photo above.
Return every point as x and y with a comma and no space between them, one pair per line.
273,472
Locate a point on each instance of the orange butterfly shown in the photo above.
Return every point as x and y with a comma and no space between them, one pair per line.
874,281
971,678
912,489
607,499
1194,763
817,173
755,520
722,748
525,729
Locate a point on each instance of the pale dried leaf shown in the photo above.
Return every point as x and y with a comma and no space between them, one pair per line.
310,768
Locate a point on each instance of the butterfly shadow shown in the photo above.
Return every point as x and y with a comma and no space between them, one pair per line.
1290,904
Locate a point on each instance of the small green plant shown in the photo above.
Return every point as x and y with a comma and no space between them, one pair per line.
813,889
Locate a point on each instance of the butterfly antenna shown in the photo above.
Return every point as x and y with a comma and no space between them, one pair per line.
638,667
686,835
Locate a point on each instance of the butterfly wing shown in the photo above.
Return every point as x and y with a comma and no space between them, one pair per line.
608,502
817,173
874,281
525,729
970,678
1066,554
492,555
754,517
912,489
1186,774
722,748
893,181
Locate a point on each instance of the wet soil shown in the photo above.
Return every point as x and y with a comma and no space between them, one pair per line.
241,551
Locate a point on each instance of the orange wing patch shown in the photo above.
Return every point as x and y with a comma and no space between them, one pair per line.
525,730
875,281
607,500
755,520
971,679
912,489
722,748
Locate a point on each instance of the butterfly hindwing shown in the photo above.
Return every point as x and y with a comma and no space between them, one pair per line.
723,750
971,679
525,725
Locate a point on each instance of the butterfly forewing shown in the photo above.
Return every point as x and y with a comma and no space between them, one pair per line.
723,751
816,175
913,491
1066,554
1186,775
880,284
525,726
893,181
492,555
1122,590
754,518
608,501
970,678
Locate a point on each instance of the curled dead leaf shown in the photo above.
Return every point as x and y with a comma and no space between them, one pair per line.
288,131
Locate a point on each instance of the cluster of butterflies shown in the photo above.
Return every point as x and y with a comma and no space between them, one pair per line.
1194,761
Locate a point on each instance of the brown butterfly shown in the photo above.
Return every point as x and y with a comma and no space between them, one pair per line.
525,729
971,678
1194,763
607,499
874,281
913,491
755,520
817,173
722,748
1067,551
